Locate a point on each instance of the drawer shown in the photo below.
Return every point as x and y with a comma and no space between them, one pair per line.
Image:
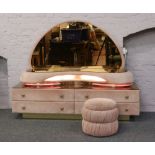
117,95
43,94
78,107
43,107
124,108
129,108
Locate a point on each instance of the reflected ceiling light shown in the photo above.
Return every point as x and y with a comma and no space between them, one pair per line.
61,78
87,78
92,78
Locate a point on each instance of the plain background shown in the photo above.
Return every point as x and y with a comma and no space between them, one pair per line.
78,6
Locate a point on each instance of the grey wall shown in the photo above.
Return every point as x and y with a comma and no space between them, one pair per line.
4,97
141,61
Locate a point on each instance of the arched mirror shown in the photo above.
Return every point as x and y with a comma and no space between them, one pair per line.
76,46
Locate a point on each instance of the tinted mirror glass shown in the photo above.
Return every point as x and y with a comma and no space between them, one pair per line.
76,46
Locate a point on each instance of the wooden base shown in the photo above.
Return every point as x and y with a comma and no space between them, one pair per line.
63,116
124,118
53,116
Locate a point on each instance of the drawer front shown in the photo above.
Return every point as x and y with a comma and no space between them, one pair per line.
43,107
124,108
117,95
78,107
43,95
129,109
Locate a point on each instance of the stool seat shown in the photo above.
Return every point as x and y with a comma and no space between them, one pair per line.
100,104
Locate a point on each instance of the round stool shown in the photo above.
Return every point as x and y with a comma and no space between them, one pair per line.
100,117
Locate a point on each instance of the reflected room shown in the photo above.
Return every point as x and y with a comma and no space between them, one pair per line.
76,46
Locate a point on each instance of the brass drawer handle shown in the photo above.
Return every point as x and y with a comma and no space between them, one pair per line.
86,96
62,96
126,97
23,108
62,109
23,95
126,110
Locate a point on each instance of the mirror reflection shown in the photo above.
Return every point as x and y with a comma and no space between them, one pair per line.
76,46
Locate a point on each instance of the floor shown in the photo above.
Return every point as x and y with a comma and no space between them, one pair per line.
13,128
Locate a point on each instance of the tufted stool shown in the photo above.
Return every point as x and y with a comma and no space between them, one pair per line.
100,117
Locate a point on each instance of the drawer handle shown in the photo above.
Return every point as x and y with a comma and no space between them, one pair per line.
126,97
126,110
23,108
23,95
61,96
62,109
86,96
